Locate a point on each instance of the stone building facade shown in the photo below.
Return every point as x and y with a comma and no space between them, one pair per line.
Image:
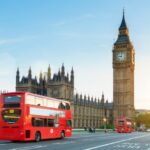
90,112
59,86
87,112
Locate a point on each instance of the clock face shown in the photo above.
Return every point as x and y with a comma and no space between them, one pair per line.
121,56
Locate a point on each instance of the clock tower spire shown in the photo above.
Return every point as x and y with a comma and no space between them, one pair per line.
123,23
123,73
123,36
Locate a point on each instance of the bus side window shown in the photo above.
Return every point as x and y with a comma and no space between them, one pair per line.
45,122
68,123
50,122
38,122
33,122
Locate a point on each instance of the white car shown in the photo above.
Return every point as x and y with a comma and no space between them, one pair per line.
148,130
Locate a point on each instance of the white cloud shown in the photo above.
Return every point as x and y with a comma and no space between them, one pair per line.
16,40
7,72
91,80
8,41
142,82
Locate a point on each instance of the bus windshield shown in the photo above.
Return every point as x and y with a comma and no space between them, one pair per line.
121,122
12,99
11,116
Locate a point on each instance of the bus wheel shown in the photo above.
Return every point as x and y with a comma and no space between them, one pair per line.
62,134
37,136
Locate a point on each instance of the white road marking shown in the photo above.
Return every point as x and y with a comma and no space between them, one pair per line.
128,145
29,147
99,146
58,143
96,135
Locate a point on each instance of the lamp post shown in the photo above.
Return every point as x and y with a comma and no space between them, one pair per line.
134,126
104,119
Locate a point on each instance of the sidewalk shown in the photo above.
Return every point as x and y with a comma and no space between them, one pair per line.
78,131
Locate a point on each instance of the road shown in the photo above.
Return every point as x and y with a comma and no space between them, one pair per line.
86,141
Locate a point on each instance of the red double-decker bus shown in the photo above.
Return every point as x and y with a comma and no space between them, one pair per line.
123,125
25,116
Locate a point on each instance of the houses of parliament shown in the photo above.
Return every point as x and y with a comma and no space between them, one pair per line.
88,111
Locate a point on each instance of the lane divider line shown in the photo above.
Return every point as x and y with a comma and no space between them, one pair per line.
99,146
29,147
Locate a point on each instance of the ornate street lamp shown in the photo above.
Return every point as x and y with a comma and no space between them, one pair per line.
104,119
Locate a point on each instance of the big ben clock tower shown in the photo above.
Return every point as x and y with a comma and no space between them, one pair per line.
123,74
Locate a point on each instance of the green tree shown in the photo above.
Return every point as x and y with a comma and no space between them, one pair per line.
143,119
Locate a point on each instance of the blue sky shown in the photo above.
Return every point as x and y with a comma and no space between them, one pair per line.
78,33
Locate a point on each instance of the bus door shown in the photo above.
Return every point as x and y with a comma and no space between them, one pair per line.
53,130
68,127
57,127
